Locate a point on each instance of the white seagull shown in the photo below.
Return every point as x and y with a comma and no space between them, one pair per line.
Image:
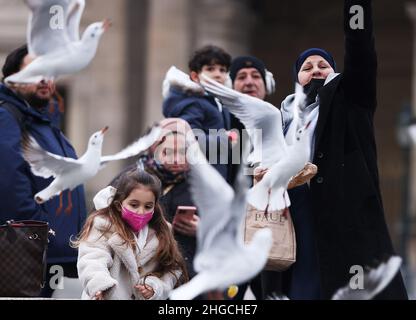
70,173
222,259
57,49
374,282
283,159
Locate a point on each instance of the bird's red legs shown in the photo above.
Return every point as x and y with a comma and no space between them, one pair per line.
59,210
286,209
68,210
266,211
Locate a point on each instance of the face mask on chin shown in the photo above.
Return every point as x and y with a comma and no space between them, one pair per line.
311,90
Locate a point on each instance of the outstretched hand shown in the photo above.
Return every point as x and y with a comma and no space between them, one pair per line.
146,291
304,176
99,295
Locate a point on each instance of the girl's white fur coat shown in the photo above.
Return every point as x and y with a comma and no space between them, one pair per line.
106,264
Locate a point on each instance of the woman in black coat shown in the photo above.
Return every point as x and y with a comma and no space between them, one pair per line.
339,218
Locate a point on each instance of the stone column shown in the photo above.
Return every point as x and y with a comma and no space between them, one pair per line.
13,20
178,27
227,24
169,34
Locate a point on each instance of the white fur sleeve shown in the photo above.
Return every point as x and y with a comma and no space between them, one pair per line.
162,286
94,261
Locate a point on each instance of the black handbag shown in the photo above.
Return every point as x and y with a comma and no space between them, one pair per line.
23,246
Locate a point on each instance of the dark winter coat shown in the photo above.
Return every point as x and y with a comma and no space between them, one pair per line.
180,195
18,185
347,207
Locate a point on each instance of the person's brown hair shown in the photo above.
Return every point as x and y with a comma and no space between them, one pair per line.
168,257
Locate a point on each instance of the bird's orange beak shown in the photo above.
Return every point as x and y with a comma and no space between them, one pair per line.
104,130
107,24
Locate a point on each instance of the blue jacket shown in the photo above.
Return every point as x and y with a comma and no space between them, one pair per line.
202,112
18,185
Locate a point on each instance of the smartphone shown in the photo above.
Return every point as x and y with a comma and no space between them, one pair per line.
184,213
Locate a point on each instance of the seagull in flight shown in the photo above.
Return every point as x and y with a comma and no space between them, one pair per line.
70,173
222,258
57,50
282,157
374,282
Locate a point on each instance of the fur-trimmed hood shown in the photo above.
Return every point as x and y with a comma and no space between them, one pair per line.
180,82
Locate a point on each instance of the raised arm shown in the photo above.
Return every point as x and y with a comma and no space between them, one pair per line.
360,64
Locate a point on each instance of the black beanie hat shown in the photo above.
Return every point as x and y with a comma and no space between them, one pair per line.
247,62
313,52
14,61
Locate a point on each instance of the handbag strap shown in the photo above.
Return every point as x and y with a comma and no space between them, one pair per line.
16,113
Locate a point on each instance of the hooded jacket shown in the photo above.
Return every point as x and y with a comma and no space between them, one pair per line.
18,185
202,112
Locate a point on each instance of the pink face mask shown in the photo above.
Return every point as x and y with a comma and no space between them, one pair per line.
136,221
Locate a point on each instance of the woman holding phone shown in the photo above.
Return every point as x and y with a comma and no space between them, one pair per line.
166,159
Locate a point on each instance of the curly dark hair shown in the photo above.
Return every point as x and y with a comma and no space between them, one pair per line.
207,56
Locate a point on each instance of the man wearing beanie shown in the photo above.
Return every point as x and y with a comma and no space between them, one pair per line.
250,76
339,217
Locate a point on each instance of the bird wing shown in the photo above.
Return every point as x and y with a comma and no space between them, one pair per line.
211,195
73,19
45,164
43,36
297,102
375,281
177,78
201,283
136,147
411,131
254,113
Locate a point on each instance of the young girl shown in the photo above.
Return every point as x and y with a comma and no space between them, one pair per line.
126,249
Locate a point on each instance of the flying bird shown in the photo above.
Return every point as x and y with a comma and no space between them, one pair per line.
70,173
374,282
57,50
283,159
175,77
222,259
